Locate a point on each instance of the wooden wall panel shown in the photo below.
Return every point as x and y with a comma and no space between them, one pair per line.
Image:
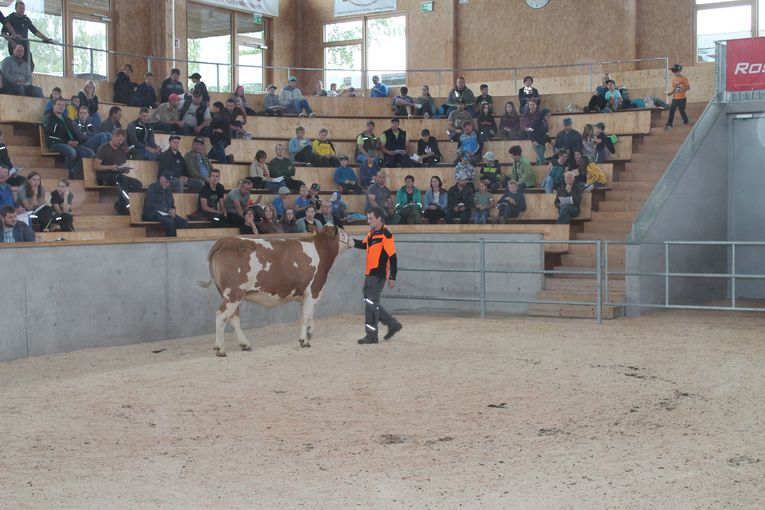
666,28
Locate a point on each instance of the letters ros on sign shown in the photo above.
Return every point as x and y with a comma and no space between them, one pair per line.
745,64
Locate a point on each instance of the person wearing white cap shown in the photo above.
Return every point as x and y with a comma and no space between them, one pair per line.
291,98
273,108
490,171
280,202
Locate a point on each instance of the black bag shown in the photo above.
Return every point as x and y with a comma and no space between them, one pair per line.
122,205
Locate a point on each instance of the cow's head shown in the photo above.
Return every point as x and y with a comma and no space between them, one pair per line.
333,232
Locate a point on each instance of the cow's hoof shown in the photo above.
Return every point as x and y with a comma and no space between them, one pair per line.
245,347
220,353
301,342
309,334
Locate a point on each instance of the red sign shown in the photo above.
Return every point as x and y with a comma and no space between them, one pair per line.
745,64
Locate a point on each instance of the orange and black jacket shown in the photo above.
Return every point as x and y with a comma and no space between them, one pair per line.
381,253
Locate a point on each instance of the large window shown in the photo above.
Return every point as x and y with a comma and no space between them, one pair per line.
250,44
47,16
375,44
718,20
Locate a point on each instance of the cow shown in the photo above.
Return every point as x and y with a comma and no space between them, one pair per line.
269,272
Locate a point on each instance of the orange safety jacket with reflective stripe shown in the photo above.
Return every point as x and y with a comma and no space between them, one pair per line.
381,254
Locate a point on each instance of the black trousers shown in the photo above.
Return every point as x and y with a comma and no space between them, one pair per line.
677,104
373,311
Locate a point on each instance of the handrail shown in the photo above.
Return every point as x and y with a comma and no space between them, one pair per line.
290,69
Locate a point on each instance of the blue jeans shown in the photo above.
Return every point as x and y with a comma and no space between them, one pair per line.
540,150
22,90
548,184
297,106
218,151
480,217
96,119
97,140
145,154
73,157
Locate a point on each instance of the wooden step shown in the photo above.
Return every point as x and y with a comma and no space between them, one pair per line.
615,227
589,249
633,194
632,166
652,157
642,176
628,216
615,205
603,236
578,295
575,311
101,222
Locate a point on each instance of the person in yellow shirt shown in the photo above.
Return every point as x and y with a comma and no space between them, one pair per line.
680,86
324,153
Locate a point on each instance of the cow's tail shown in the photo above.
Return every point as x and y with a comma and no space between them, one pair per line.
217,246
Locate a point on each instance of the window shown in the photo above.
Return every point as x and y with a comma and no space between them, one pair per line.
718,20
89,33
48,18
250,44
375,44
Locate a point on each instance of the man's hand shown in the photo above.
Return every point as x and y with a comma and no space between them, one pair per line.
184,179
172,213
197,129
72,143
392,284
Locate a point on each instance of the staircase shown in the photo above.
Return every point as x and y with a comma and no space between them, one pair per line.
613,221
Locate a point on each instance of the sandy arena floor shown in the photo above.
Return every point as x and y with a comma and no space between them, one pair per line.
665,411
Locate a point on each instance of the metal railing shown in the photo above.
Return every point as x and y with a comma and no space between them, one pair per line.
515,73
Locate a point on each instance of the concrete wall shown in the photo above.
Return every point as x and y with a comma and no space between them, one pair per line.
93,295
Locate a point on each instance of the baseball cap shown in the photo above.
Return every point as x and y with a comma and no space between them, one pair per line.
271,86
168,175
489,156
174,137
196,76
173,98
460,101
675,68
284,190
335,197
567,121
292,78
600,125
199,139
316,186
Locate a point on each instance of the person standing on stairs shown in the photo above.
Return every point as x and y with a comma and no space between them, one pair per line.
680,85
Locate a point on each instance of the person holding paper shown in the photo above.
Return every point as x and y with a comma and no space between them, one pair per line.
568,199
160,206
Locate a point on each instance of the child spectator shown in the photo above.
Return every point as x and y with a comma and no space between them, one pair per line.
555,171
345,178
409,202
510,123
598,100
588,141
528,94
424,104
324,153
464,171
272,106
300,147
529,118
435,200
469,146
511,204
487,126
403,104
482,203
490,171
680,85
428,152
55,93
485,97
61,203
302,202
367,170
604,146
288,221
594,176
521,171
73,108
313,194
280,202
613,97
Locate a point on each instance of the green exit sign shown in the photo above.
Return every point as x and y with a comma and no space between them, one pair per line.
426,6
257,19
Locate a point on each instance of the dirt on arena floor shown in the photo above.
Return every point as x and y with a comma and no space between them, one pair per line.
663,411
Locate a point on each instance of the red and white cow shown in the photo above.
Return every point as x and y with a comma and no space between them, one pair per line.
270,272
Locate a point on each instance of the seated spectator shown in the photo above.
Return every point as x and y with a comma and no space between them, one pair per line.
539,135
73,108
424,104
220,132
588,173
463,170
280,202
196,116
170,86
378,195
491,172
521,171
555,170
125,91
324,153
598,100
147,96
238,118
469,146
428,152
6,193
461,91
485,97
172,161
269,224
368,145
487,126
300,147
259,173
308,223
435,200
249,227
459,202
313,194
568,199
333,92
55,94
210,200
345,177
110,167
569,138
457,119
271,103
60,138
14,231
292,100
241,101
339,209
612,97
282,170
318,89
528,94
393,143
14,179
141,138
34,202
403,104
604,146
367,171
17,75
61,203
112,123
237,201
511,204
159,205
289,222
482,204
379,89
510,124
199,88
302,202
325,213
197,163
588,142
529,118
167,117
85,130
409,202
